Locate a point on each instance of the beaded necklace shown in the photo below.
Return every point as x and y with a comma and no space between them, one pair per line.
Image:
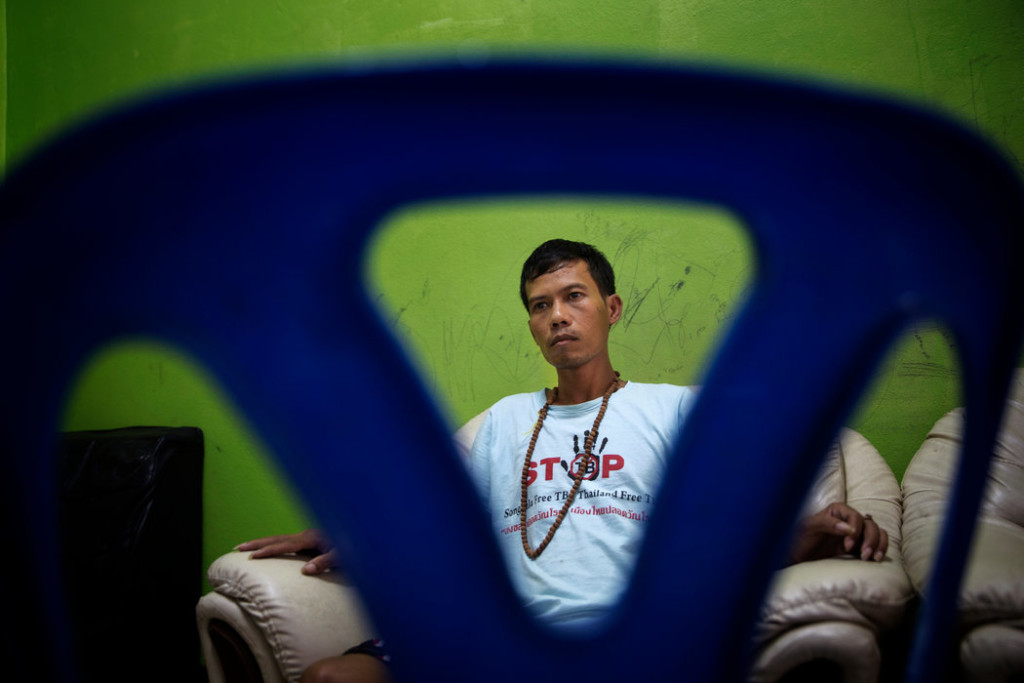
588,446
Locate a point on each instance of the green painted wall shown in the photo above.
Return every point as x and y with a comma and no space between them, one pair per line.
3,86
446,274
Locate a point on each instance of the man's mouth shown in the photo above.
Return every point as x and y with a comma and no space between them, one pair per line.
561,338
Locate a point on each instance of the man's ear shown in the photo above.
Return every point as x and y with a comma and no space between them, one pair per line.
614,303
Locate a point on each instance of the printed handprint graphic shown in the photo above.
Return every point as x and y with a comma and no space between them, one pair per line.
593,466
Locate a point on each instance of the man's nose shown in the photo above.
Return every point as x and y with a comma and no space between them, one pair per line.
559,316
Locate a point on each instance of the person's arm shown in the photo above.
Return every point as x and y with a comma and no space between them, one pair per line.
839,530
310,540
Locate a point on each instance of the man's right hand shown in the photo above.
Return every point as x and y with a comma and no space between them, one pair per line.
305,541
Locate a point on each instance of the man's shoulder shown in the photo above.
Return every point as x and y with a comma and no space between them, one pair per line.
663,391
499,418
514,402
661,399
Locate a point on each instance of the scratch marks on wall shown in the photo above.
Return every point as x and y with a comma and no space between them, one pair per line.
680,281
930,353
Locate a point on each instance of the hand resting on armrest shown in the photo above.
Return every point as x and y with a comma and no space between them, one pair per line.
308,541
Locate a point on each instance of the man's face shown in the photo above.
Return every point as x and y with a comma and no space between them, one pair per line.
569,319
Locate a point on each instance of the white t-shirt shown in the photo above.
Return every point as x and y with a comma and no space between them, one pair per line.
585,568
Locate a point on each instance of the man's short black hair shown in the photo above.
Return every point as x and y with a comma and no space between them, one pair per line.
556,253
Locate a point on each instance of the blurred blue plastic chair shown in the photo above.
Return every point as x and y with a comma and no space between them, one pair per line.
231,220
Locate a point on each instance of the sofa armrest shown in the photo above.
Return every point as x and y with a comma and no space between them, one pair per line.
277,609
993,654
234,647
871,594
841,651
811,602
871,488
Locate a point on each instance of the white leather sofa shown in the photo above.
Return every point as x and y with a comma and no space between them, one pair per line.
266,621
991,602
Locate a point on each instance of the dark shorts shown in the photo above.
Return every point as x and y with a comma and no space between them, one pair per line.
374,648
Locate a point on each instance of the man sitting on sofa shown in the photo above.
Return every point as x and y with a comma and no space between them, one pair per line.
592,440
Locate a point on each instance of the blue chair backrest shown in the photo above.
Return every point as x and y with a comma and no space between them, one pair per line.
231,220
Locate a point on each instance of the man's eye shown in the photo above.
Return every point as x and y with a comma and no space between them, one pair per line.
539,306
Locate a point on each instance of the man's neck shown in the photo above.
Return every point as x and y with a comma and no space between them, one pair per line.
579,385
